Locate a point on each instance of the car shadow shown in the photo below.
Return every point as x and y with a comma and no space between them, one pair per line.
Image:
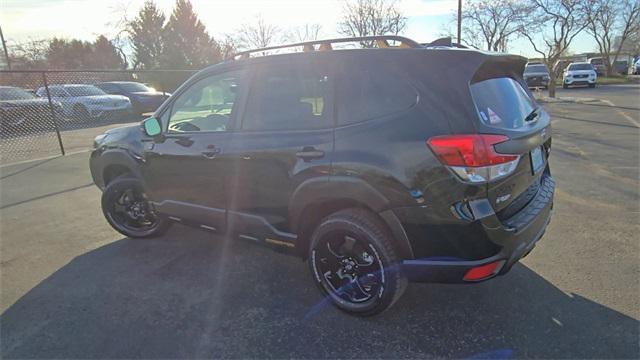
193,294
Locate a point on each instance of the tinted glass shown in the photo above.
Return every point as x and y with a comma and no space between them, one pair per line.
502,102
580,67
369,92
207,105
88,90
288,97
10,93
536,69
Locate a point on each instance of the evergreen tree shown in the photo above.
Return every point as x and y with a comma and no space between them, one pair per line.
69,54
186,43
104,55
145,34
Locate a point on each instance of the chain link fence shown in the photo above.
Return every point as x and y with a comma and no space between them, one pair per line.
48,113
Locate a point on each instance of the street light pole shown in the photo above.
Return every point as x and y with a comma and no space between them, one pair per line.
459,20
4,46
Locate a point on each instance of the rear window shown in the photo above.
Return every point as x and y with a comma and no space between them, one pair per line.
368,92
502,103
580,67
536,69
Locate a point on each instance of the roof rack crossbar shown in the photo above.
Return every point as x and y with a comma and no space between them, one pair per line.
326,44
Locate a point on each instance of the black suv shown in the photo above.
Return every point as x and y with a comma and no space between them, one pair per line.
380,166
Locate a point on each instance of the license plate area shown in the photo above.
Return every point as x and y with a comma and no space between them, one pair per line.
537,160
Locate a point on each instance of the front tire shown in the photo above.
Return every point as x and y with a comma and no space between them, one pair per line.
125,206
592,85
354,262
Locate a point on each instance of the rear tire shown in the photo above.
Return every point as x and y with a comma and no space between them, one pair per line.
125,206
80,112
565,86
354,262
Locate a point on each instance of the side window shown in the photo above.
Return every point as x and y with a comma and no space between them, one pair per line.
369,92
108,88
289,97
55,92
207,105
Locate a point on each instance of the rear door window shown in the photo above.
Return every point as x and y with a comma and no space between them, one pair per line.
289,96
502,103
370,92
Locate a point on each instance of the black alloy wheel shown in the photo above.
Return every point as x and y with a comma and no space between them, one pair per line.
353,261
127,209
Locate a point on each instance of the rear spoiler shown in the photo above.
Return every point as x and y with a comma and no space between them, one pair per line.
500,65
444,42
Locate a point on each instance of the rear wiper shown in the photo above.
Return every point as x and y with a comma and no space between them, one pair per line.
532,115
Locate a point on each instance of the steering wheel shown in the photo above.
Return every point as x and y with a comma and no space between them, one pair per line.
185,126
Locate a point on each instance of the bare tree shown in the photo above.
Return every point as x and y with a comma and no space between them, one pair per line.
258,34
559,22
371,17
611,20
493,22
30,54
306,32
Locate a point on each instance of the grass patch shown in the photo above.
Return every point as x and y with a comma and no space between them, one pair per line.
613,80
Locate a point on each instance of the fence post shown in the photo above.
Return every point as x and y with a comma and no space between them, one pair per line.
53,112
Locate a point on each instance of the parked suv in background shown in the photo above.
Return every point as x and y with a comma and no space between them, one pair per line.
598,65
536,75
87,101
144,99
579,74
378,166
21,110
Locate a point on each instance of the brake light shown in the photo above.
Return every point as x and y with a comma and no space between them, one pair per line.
473,157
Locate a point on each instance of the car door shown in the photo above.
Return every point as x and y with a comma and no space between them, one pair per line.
286,137
185,168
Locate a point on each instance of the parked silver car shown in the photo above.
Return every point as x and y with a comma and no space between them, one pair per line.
87,101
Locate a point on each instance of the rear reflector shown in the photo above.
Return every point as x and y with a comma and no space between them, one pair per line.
483,272
473,157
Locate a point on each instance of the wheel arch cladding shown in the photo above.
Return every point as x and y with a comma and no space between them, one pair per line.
116,163
317,198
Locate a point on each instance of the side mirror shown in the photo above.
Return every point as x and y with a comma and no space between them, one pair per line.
152,127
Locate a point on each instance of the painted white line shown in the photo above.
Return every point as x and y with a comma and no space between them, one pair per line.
44,158
624,115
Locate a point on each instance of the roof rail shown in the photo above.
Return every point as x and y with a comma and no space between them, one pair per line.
382,41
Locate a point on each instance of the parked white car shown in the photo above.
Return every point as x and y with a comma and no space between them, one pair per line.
87,101
581,73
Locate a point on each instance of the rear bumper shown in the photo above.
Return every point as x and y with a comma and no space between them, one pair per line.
537,82
516,237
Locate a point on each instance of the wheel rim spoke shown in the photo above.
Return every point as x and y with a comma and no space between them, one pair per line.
349,269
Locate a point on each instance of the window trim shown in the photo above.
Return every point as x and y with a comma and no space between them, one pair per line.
238,105
388,115
330,106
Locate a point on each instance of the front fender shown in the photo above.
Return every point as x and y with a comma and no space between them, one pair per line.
100,160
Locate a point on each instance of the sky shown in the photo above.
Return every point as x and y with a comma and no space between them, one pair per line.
23,20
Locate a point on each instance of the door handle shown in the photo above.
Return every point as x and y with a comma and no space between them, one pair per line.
211,152
309,153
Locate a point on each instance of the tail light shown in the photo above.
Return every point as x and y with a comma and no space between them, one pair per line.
473,157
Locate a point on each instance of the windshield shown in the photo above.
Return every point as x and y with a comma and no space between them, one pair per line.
502,103
135,87
11,93
536,69
85,90
580,67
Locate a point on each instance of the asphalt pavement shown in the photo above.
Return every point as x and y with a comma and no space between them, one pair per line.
71,287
